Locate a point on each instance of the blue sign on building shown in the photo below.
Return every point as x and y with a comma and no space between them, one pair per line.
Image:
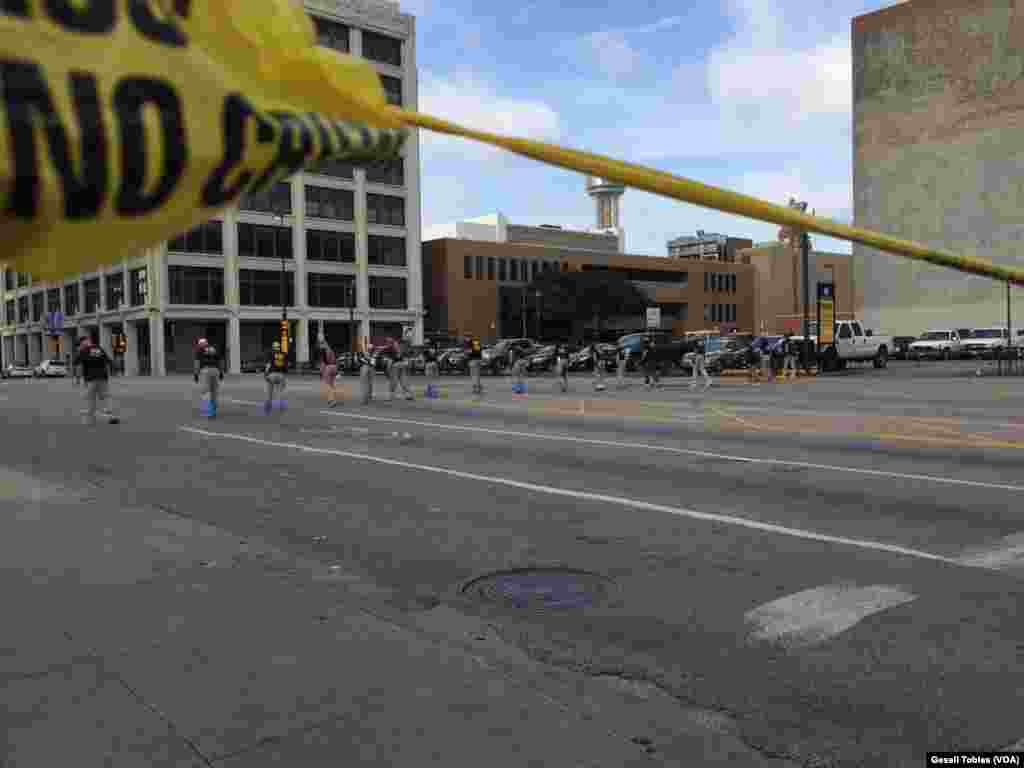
55,323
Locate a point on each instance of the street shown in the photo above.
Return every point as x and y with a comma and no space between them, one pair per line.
824,572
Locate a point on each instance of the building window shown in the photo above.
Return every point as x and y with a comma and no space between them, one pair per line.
115,290
277,199
479,267
336,168
565,266
513,270
647,275
322,245
8,280
9,317
386,251
92,295
490,267
23,309
325,203
384,209
331,34
206,238
386,50
330,290
262,242
38,306
707,282
388,292
502,270
137,286
534,269
707,313
387,172
22,280
467,267
71,300
53,300
262,288
392,90
734,283
196,285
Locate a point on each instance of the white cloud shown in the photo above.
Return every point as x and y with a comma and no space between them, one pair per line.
612,51
830,199
475,103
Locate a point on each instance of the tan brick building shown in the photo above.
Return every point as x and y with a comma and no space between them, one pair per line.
779,284
477,287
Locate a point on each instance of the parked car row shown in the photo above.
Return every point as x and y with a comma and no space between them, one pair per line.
46,369
953,344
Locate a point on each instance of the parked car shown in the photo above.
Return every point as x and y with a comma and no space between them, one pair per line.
986,342
51,368
453,360
496,359
944,344
253,365
584,359
542,360
18,371
852,345
901,347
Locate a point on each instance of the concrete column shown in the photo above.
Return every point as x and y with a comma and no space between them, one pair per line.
302,340
300,299
106,339
103,296
131,355
413,237
234,344
230,237
362,258
158,362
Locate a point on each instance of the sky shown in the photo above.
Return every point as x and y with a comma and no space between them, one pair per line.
752,95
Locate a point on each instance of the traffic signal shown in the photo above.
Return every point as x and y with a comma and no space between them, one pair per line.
284,336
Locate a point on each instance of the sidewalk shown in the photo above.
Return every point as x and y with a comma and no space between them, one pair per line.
135,637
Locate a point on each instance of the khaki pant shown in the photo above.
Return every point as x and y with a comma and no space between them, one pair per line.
97,393
562,371
518,370
328,383
474,375
598,373
397,377
621,373
699,369
275,386
209,380
789,365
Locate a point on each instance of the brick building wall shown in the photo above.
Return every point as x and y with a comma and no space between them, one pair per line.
938,133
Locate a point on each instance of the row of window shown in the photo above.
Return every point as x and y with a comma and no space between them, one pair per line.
278,199
720,313
269,242
720,282
643,275
329,203
512,270
32,309
376,47
262,288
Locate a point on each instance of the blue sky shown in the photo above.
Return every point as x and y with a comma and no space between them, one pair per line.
753,95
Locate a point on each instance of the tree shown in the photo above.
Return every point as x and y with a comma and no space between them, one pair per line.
571,299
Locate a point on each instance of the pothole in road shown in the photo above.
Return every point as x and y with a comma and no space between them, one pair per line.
541,589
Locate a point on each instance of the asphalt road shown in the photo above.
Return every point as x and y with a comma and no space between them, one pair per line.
832,567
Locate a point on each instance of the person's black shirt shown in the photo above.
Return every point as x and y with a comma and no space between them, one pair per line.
475,352
95,364
209,357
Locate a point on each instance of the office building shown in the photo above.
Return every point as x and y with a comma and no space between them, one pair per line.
707,246
348,237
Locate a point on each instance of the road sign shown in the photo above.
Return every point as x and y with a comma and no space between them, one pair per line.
826,312
654,317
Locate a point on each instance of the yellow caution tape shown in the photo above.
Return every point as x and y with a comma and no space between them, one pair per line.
126,122
170,110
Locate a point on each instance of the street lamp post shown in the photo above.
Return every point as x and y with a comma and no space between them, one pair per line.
350,299
285,332
538,294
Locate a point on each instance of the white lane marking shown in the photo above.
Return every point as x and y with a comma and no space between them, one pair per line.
756,525
814,615
1006,554
687,452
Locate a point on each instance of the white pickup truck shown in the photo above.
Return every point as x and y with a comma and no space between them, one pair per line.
853,345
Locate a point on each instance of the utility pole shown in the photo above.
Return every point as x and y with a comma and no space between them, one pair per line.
805,254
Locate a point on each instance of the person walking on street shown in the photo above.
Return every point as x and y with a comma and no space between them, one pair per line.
623,365
652,365
562,366
274,373
430,370
789,357
209,370
475,358
329,374
595,355
699,368
94,367
397,371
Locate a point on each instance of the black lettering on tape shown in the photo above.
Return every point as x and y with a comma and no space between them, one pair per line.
14,7
183,8
341,134
237,110
163,31
28,105
323,129
294,146
131,95
91,17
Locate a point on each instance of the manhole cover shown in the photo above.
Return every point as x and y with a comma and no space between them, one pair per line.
542,589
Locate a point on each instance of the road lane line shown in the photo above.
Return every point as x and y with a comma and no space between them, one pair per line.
633,504
684,452
811,617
